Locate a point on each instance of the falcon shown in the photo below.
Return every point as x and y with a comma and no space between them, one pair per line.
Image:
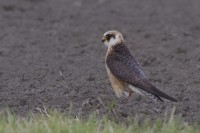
124,71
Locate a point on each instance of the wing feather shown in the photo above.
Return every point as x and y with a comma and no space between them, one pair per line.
127,69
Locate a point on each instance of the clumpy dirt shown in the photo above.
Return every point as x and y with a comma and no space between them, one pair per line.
51,55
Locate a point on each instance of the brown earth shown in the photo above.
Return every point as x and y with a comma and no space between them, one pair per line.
51,55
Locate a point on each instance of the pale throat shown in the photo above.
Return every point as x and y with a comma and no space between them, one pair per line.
112,42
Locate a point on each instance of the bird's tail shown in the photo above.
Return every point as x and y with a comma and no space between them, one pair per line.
151,96
163,95
142,92
154,97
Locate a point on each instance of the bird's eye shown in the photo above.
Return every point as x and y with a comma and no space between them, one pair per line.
109,36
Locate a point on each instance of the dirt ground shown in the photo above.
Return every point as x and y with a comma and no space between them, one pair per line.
51,55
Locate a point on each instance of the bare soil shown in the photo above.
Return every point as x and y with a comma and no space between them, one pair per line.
51,55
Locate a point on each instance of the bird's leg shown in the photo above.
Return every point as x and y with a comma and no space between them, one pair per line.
129,95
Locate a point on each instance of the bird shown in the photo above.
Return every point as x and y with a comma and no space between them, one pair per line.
125,73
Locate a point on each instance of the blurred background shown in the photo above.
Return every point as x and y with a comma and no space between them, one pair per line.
51,54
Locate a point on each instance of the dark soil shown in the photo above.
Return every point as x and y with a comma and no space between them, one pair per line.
51,55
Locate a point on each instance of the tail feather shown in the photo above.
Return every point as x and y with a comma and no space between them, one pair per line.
151,96
162,94
154,97
142,92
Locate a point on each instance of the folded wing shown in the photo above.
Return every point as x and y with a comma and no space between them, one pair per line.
128,70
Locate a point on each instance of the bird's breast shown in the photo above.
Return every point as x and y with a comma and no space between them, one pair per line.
118,86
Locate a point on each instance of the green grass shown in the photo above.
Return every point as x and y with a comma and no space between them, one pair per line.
59,123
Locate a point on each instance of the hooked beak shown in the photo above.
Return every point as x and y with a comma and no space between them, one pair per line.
103,39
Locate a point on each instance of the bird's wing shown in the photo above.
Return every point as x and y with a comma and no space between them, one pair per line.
128,70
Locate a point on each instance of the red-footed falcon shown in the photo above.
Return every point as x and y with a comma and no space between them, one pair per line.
124,72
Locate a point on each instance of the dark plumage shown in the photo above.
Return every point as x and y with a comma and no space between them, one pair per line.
124,66
124,71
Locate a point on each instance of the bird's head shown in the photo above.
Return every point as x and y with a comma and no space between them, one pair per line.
111,38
